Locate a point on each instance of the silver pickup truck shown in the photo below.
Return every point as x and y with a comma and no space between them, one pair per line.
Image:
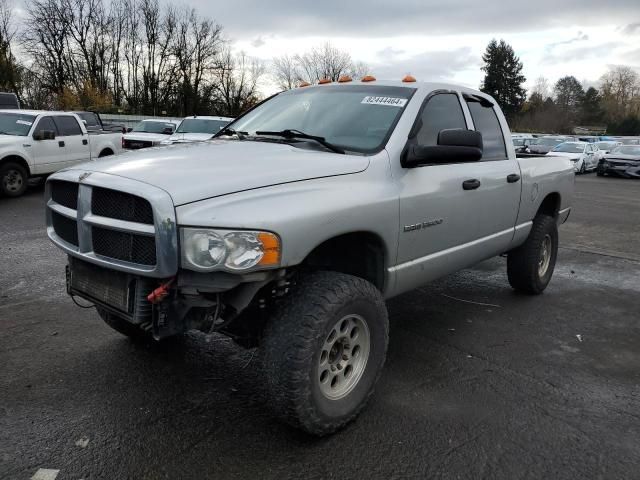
292,226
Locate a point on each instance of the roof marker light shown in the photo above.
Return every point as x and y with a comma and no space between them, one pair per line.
344,79
368,78
322,81
303,84
409,79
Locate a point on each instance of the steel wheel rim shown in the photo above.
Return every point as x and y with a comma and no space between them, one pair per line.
12,180
343,357
545,256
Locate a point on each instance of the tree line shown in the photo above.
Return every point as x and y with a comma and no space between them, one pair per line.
613,104
134,56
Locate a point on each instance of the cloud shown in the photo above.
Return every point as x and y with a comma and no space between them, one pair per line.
580,37
631,29
580,54
422,17
428,66
258,41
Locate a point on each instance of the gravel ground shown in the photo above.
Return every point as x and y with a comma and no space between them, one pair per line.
480,382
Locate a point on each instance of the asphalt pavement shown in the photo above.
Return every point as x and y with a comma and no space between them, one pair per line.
480,382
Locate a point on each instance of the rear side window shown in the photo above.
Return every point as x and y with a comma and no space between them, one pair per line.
45,123
67,126
486,122
91,119
441,112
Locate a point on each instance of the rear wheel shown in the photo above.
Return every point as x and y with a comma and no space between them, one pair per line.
323,351
13,179
530,266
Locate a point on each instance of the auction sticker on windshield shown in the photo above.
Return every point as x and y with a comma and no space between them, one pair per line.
388,101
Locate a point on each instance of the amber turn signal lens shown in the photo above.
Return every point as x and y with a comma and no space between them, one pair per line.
304,84
409,79
271,248
368,78
344,79
323,81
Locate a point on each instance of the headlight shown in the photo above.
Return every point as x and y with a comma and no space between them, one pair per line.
206,250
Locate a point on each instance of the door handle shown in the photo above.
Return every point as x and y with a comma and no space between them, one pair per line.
84,141
513,178
61,143
471,184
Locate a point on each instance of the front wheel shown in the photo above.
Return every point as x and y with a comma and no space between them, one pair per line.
13,179
583,168
323,351
531,265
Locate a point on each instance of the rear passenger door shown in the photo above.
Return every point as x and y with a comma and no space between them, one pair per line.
72,139
443,226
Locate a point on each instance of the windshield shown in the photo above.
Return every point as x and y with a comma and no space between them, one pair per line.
569,148
551,142
201,125
518,142
16,124
152,126
358,118
627,150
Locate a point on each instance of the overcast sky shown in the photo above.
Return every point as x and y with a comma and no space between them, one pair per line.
441,40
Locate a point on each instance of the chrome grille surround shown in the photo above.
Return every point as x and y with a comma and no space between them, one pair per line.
164,228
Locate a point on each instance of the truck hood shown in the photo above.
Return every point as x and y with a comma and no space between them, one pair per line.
189,137
144,136
566,154
13,139
196,171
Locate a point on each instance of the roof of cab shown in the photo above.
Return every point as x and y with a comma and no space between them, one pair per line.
35,112
417,85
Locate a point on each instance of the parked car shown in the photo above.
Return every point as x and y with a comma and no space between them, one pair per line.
544,145
37,143
149,133
622,161
521,144
607,145
197,129
293,225
9,101
582,154
93,123
629,140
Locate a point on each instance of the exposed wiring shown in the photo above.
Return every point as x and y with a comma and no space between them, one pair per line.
73,297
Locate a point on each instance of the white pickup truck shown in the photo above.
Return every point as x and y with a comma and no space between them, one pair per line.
37,143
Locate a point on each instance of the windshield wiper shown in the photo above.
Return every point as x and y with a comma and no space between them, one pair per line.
229,132
291,134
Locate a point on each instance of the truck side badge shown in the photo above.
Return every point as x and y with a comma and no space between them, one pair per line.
83,176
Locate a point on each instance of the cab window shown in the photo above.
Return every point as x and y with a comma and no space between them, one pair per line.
486,122
45,123
441,112
67,126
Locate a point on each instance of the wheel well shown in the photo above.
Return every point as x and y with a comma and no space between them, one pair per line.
550,205
18,160
105,152
361,254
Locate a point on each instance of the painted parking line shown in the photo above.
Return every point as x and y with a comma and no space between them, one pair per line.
45,474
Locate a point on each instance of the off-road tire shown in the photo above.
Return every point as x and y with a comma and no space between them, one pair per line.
295,337
13,169
524,262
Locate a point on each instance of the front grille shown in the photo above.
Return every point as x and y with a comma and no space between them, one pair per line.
65,193
65,228
124,246
136,144
122,206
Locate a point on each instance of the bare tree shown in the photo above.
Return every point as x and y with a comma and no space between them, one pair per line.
10,71
236,87
285,72
620,88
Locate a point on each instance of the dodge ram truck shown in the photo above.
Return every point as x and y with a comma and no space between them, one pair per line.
37,143
292,226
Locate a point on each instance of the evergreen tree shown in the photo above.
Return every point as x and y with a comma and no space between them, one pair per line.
592,113
503,77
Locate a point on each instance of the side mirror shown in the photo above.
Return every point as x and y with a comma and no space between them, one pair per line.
44,135
129,129
167,131
454,146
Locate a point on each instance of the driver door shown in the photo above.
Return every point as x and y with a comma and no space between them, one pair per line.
47,154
